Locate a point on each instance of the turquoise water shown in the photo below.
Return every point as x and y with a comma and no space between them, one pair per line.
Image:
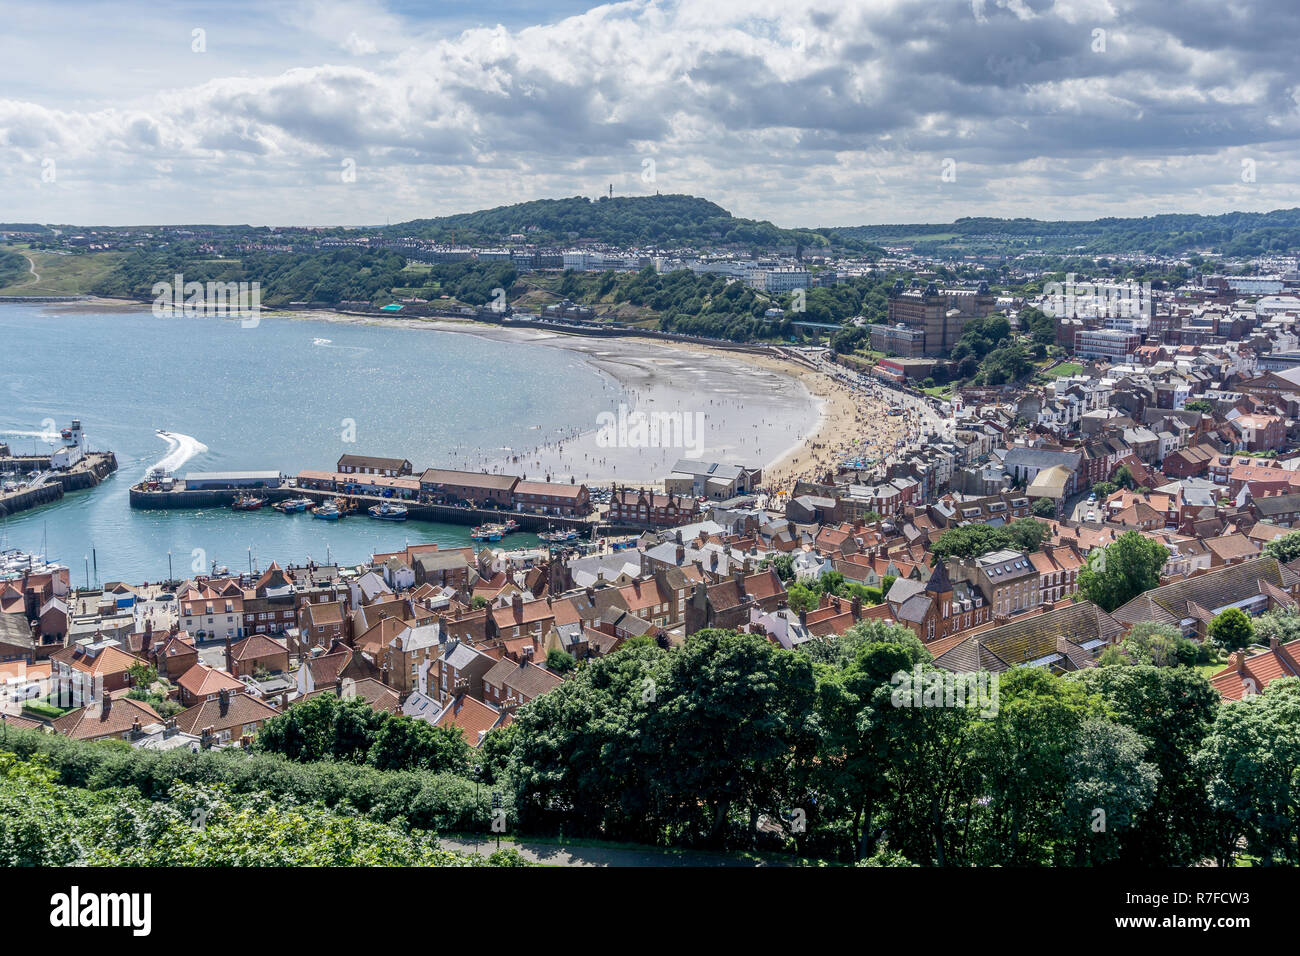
274,397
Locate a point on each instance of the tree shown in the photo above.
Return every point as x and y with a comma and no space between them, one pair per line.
1171,709
1285,548
971,540
1199,405
1232,629
404,743
1250,758
322,728
1162,645
734,727
783,563
560,661
1044,507
1282,625
1103,490
1023,760
142,675
857,720
801,597
1128,566
582,756
1123,477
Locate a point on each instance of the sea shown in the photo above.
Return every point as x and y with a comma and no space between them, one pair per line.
286,394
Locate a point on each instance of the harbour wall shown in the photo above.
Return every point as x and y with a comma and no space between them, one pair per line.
87,473
415,511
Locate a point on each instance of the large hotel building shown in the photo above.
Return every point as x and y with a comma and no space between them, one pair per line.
928,321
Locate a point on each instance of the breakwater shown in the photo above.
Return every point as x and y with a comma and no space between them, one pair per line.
143,498
87,473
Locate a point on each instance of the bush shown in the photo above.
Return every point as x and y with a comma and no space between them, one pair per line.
425,799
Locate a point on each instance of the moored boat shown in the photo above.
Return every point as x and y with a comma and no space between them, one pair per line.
292,505
247,503
385,511
327,512
487,532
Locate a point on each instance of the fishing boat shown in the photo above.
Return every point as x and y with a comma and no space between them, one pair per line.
385,511
247,503
329,511
559,537
487,532
292,505
511,526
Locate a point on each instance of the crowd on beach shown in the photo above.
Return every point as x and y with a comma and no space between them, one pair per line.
864,422
869,422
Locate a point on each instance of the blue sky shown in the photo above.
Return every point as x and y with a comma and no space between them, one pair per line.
805,112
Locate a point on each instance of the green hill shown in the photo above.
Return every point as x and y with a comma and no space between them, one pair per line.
666,221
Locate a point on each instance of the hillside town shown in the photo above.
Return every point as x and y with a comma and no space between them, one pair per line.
1178,426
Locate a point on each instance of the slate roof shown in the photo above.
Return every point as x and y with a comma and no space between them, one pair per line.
1237,582
1060,631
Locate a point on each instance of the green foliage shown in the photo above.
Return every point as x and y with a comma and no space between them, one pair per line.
1199,405
329,275
972,540
1043,507
46,823
666,221
1161,645
1283,626
1171,709
328,728
403,743
1250,757
840,649
1232,629
13,268
782,563
561,661
1122,570
647,742
323,728
424,799
1040,325
1232,234
1285,548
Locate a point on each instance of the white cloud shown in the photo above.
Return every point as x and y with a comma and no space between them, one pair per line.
800,111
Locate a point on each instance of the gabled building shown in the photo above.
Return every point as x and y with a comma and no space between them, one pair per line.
1063,639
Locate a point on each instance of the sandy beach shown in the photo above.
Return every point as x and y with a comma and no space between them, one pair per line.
757,408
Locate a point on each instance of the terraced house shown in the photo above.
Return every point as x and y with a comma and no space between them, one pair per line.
1064,639
1254,586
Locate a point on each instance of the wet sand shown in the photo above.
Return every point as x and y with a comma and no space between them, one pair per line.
754,408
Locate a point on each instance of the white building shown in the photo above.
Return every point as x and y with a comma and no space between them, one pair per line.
73,448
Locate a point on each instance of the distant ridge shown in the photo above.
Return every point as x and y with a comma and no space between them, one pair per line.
665,221
1229,234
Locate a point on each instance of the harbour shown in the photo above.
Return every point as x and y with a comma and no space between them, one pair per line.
240,399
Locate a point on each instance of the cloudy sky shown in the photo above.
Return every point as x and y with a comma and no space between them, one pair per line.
807,113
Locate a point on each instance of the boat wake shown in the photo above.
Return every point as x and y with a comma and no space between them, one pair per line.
19,433
329,344
180,449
